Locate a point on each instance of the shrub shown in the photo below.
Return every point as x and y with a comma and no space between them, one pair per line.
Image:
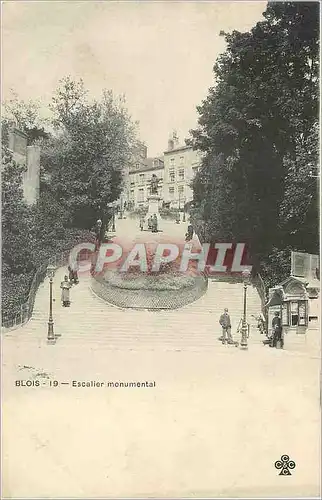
168,213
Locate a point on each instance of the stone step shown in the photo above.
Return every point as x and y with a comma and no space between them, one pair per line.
121,343
95,324
210,337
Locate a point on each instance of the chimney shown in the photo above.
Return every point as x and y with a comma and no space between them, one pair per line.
170,144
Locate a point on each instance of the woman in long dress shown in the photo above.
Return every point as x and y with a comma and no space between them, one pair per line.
65,286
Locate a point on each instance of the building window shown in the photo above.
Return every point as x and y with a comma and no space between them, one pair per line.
181,174
171,192
132,195
172,162
172,175
141,178
137,166
299,265
181,160
180,190
302,313
194,170
295,313
141,195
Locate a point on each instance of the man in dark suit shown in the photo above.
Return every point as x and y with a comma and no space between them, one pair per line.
277,331
225,323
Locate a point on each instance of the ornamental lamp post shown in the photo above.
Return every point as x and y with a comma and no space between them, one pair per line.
244,344
51,339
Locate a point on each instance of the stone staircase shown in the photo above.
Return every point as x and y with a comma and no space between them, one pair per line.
91,321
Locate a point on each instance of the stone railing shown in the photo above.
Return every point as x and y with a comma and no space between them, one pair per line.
26,309
10,320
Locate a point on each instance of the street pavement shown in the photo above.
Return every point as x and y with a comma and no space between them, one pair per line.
212,424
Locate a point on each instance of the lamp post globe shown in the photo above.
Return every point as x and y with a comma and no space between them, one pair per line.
246,275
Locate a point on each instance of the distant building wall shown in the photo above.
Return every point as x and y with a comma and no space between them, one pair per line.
140,182
29,156
31,177
180,166
175,170
18,146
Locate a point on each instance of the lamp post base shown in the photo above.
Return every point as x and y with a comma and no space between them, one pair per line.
51,339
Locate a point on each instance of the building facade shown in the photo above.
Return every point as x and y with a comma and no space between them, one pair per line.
137,161
181,164
140,179
175,171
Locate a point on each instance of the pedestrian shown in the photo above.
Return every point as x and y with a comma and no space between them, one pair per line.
225,323
277,331
141,222
155,224
150,223
70,275
65,286
75,273
261,323
98,227
189,233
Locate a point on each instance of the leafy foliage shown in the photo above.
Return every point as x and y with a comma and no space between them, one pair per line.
93,144
24,116
81,173
16,217
258,130
30,235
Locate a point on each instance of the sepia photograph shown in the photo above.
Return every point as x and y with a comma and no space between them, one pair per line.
160,249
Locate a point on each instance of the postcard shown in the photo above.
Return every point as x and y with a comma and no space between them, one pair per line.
160,250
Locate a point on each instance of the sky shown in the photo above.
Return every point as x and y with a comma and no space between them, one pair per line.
159,54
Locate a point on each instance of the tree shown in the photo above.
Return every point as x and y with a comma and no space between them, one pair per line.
16,218
24,116
94,142
259,119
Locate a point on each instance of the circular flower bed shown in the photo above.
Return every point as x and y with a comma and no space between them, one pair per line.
148,291
168,288
134,281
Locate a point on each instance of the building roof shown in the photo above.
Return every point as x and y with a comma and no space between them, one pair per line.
177,148
148,165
